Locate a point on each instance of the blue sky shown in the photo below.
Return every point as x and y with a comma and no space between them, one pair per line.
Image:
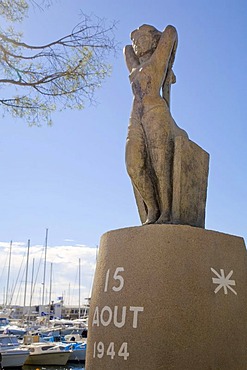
71,177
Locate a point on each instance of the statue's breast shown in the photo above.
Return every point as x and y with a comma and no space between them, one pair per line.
143,81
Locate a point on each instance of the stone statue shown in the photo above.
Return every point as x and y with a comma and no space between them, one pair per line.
152,132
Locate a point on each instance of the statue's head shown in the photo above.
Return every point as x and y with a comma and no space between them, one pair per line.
145,39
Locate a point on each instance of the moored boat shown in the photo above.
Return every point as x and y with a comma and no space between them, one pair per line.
77,345
15,357
42,353
78,353
11,353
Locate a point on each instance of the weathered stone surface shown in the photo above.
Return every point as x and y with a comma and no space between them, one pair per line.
190,174
153,133
189,185
171,298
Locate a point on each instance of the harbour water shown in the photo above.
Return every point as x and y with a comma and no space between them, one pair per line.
69,366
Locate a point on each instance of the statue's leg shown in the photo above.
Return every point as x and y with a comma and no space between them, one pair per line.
160,147
163,170
138,168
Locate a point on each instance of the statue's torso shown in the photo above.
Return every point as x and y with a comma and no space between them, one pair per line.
146,82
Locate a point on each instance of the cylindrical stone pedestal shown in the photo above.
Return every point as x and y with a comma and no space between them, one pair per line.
169,297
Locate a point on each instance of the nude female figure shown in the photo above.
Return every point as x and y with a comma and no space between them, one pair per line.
151,131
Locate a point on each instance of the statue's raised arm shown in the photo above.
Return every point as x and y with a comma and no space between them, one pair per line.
166,47
130,58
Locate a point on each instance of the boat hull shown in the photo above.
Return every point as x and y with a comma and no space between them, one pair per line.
14,358
60,358
77,355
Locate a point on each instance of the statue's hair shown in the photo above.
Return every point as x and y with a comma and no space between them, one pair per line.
146,28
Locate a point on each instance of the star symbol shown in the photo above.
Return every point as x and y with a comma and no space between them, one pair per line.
223,281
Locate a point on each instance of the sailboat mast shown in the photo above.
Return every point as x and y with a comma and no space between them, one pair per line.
31,292
79,314
25,290
43,293
50,292
7,290
69,295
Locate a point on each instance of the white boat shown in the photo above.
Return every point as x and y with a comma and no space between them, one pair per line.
42,353
16,330
15,357
4,319
5,313
11,353
62,327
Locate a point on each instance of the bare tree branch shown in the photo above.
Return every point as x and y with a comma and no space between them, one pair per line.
65,71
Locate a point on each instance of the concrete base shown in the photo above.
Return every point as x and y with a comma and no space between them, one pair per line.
169,297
